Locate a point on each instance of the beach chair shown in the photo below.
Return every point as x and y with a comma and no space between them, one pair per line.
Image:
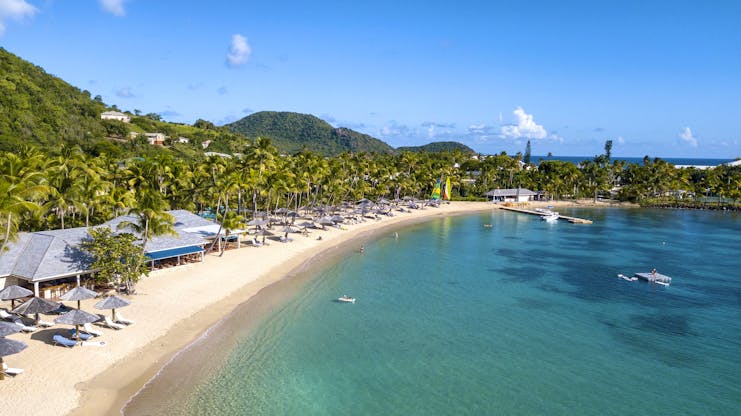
90,330
256,243
59,339
24,327
44,324
10,371
83,336
121,320
113,325
5,315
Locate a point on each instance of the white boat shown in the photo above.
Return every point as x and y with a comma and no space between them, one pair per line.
345,298
550,216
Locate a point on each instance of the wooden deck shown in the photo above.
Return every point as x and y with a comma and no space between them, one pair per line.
573,220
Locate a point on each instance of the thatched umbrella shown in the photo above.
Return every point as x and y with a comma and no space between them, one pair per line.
112,302
79,293
77,317
8,347
8,328
35,306
257,222
14,292
265,233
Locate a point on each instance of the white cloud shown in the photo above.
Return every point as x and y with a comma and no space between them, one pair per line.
478,128
688,137
239,51
16,10
526,127
125,92
620,140
114,7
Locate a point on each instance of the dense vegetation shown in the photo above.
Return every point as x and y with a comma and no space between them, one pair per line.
437,147
39,108
55,172
294,132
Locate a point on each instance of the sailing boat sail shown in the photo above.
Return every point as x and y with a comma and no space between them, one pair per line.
446,190
436,191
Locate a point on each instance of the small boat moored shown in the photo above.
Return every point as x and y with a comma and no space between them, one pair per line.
550,217
345,298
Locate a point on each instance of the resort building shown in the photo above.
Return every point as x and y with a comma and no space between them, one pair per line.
514,195
115,115
50,262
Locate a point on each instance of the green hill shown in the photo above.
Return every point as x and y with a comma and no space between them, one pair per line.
437,147
39,108
292,132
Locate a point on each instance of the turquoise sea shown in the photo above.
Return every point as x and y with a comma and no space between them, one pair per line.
522,318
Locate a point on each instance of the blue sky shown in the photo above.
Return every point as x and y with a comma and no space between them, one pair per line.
659,78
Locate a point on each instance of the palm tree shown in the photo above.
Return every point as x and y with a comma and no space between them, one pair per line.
263,153
21,186
230,221
151,219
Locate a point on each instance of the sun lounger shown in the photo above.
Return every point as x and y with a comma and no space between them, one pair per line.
60,339
24,327
113,325
81,335
121,320
256,243
90,330
5,315
44,324
10,371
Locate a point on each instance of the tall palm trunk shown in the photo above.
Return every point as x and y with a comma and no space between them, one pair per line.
7,233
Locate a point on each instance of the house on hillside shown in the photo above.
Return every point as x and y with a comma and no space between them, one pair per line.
514,195
115,115
152,138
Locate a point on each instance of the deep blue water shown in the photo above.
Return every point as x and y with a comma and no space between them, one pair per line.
639,160
523,318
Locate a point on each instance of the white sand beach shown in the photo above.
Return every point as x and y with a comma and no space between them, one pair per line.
172,308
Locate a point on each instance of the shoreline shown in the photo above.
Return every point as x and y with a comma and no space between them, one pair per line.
173,309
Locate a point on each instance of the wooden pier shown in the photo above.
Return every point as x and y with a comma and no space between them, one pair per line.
573,220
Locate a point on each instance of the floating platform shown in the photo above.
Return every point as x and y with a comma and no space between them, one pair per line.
573,220
655,278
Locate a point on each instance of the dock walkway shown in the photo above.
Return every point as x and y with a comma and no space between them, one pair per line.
574,220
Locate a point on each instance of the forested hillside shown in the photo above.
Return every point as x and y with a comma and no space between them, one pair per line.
39,108
293,132
437,147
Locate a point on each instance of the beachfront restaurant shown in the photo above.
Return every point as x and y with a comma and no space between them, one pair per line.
51,262
513,195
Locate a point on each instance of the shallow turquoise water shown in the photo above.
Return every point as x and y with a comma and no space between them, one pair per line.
522,318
